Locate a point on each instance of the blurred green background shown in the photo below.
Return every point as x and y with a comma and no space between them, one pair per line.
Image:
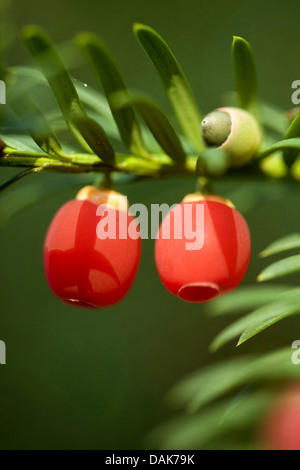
78,379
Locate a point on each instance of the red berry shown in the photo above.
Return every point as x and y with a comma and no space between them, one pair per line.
280,429
217,267
82,269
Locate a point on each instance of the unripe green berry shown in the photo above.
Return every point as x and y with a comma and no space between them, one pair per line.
234,130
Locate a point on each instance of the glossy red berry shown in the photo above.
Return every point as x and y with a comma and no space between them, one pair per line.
217,263
82,269
280,429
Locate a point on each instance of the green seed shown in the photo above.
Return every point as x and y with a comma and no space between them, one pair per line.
216,128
